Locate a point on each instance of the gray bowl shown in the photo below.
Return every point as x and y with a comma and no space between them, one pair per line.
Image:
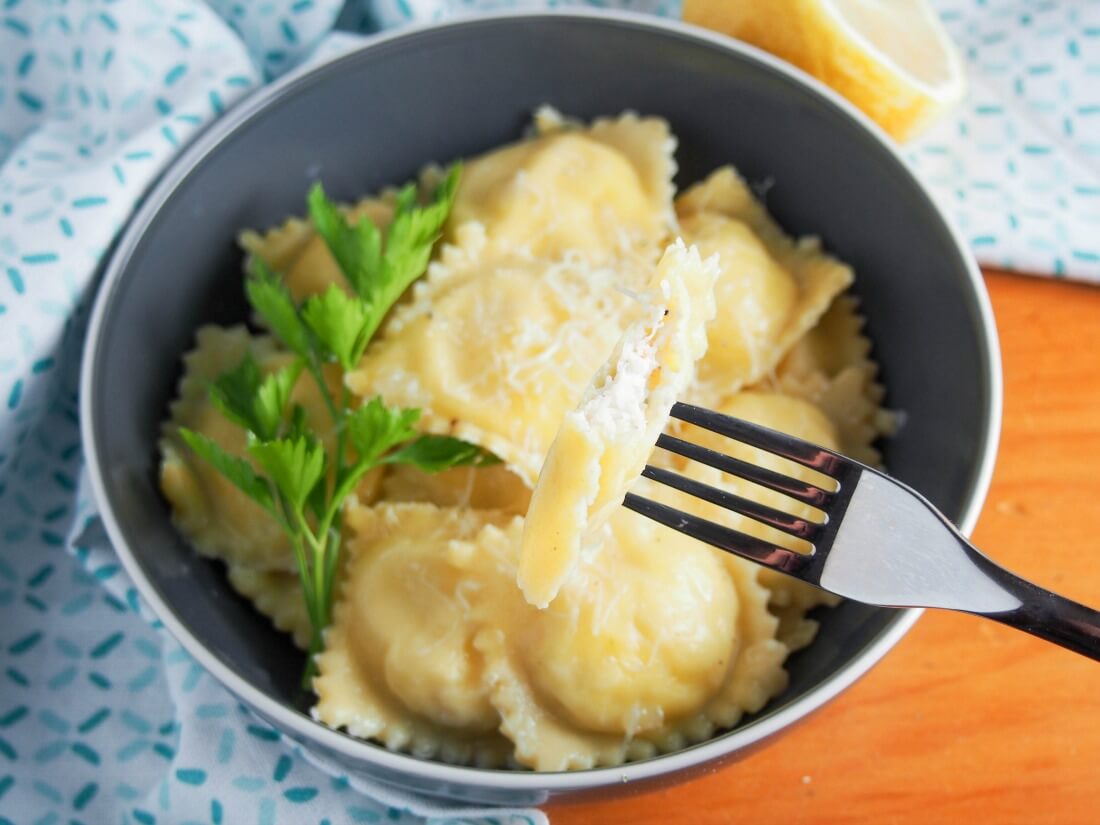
372,118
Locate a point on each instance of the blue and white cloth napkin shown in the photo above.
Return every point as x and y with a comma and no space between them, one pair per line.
103,717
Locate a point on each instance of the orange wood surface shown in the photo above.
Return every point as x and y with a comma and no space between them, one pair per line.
965,720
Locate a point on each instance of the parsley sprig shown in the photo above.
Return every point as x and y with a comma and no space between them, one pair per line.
292,474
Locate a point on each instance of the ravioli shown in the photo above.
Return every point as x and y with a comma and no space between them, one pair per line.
603,444
627,666
646,142
654,644
598,191
831,366
277,595
479,488
790,598
756,294
397,664
773,288
500,359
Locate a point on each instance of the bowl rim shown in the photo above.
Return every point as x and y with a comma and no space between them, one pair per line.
304,729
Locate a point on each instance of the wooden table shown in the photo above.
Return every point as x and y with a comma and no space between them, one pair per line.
965,720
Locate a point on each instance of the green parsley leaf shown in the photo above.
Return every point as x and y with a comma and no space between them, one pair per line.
272,301
294,464
252,401
379,277
415,229
435,453
271,399
299,425
299,428
410,238
356,247
318,500
337,321
237,470
375,429
234,391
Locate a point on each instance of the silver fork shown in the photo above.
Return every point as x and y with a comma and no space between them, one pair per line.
880,542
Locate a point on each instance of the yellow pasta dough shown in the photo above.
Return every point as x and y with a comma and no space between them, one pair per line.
215,515
640,637
500,359
277,595
654,644
596,191
790,598
756,294
399,664
479,488
646,142
831,366
772,288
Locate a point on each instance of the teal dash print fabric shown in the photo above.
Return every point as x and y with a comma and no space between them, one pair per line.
1018,165
103,718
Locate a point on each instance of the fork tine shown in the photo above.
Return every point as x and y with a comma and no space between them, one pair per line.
724,538
791,525
777,443
800,490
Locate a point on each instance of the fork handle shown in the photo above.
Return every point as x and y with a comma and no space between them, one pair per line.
1045,614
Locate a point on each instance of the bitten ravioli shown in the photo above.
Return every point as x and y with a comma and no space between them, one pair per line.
515,615
603,444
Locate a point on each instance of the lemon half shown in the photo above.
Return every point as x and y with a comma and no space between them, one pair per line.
891,58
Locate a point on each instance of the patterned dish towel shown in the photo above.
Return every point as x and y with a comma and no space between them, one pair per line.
103,717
